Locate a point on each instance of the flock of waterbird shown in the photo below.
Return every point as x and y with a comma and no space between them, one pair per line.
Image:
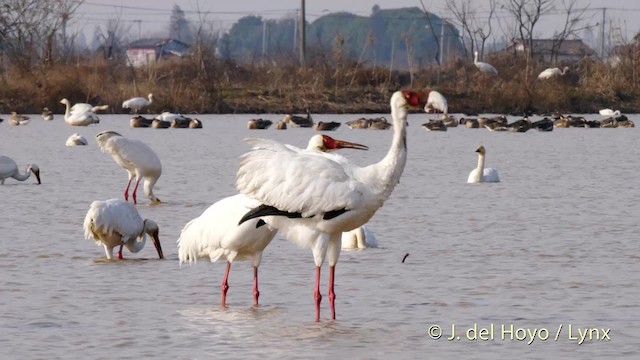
277,194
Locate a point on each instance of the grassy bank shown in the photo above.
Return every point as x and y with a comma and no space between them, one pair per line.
204,84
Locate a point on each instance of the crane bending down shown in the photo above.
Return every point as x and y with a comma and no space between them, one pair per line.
9,169
552,72
216,233
312,199
115,222
436,102
137,103
137,158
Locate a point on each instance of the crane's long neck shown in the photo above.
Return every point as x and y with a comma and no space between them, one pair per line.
22,177
384,175
134,245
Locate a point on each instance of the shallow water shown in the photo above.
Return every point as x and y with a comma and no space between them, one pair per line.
555,243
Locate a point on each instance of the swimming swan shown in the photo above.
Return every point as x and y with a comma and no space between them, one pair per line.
480,173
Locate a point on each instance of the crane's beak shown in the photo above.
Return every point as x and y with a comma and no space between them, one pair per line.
37,174
156,243
340,144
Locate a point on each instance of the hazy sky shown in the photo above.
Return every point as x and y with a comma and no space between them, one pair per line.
150,17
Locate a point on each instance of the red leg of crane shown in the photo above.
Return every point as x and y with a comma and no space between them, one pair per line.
135,189
316,294
225,285
120,251
332,294
126,191
256,293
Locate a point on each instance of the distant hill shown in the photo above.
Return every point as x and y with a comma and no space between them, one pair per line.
385,37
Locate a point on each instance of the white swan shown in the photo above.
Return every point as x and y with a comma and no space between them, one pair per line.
78,118
359,238
76,139
480,173
609,112
483,66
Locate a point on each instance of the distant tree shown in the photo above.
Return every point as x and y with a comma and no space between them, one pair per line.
179,26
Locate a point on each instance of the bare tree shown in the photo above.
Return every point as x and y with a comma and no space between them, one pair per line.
527,13
475,32
573,19
29,29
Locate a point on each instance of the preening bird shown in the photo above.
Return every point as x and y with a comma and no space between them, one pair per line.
137,158
299,121
168,116
216,233
609,112
47,114
480,173
80,116
115,222
18,119
76,139
137,103
9,169
359,238
552,72
313,199
483,66
436,102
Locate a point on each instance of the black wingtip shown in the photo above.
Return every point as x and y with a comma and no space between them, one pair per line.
267,210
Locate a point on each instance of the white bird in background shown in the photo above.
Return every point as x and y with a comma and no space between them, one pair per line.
312,199
483,66
609,112
47,114
168,116
137,158
115,222
9,169
79,108
359,238
137,103
216,234
552,72
76,139
78,117
480,173
436,102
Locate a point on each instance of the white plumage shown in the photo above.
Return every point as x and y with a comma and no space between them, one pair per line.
609,112
216,234
168,116
359,238
76,139
9,169
483,66
80,116
115,222
552,72
436,102
137,103
136,157
480,173
312,199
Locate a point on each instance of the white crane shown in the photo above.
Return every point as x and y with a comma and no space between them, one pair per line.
312,199
359,238
483,66
76,139
480,173
436,102
9,169
80,116
115,222
137,103
137,158
552,72
216,234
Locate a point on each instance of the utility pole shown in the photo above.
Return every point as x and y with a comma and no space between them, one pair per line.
302,33
264,40
295,31
441,41
604,12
